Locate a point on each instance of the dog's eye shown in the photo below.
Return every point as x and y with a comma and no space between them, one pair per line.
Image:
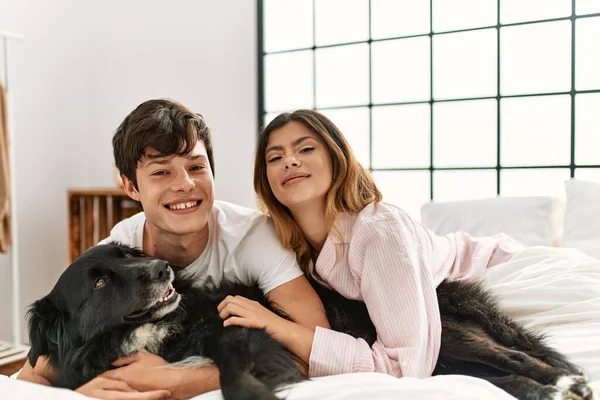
128,255
100,283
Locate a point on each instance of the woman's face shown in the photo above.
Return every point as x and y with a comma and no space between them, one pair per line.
299,166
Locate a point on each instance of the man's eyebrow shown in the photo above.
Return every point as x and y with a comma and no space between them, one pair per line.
162,159
156,158
294,143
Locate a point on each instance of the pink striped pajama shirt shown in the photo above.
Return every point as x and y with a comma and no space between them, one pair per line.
394,265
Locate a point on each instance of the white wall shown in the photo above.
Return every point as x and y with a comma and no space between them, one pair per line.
81,68
50,106
201,53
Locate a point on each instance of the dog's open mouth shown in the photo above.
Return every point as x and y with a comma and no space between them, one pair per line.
168,297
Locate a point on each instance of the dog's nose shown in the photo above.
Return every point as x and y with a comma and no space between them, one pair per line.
160,271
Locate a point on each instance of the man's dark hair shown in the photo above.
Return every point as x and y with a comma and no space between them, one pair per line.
163,124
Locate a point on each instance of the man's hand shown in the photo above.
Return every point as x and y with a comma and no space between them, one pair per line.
141,371
147,372
110,389
42,373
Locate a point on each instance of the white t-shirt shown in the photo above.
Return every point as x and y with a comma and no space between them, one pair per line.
242,247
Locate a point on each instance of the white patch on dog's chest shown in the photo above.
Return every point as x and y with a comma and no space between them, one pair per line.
147,337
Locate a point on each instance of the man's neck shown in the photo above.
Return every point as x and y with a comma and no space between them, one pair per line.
311,219
179,250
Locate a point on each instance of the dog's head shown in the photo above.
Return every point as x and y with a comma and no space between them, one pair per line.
108,286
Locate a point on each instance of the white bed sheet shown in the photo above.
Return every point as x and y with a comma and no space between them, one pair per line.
553,289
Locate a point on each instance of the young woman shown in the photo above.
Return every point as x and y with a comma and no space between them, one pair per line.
326,207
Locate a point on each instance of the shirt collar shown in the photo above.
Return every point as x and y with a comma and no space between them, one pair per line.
344,224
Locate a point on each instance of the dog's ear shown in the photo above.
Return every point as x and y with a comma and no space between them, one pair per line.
46,330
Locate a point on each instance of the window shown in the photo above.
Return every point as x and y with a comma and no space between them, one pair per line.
444,100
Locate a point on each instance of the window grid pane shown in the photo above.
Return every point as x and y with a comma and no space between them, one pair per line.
338,69
536,58
465,64
512,11
464,185
536,130
395,80
386,86
405,189
471,123
401,136
463,14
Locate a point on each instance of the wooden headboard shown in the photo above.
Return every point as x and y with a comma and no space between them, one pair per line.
92,213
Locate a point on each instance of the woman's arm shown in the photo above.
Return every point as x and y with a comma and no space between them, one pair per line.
389,265
397,286
240,311
398,264
299,300
469,256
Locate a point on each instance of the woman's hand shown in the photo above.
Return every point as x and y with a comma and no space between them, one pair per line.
240,311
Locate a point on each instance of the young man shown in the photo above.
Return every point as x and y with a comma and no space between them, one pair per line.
164,153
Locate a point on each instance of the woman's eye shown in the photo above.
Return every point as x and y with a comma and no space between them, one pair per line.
100,283
158,173
307,150
273,159
197,168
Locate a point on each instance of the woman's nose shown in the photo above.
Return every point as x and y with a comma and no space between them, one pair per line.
291,162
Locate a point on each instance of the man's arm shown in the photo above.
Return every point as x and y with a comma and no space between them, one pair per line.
146,372
42,373
99,387
196,381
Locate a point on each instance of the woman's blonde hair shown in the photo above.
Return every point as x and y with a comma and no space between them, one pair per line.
352,187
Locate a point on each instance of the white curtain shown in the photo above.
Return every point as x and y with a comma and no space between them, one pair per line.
5,229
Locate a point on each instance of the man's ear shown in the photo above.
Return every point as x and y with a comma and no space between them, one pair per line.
46,331
129,188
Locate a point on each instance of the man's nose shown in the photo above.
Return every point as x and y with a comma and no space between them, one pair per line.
184,182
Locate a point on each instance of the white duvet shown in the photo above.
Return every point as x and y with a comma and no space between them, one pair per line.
555,290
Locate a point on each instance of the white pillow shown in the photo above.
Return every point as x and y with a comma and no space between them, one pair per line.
582,217
533,221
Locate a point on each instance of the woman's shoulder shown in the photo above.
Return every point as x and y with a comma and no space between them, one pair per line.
377,221
381,212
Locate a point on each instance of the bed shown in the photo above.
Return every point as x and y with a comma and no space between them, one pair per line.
556,290
546,287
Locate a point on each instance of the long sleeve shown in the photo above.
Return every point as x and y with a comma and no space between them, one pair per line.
387,261
468,257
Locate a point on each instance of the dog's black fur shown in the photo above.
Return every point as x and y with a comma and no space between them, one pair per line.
83,329
478,340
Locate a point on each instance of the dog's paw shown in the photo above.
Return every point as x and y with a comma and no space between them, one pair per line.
574,387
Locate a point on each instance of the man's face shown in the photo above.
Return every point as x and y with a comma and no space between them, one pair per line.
177,193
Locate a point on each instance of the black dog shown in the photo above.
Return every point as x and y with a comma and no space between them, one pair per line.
480,341
115,300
